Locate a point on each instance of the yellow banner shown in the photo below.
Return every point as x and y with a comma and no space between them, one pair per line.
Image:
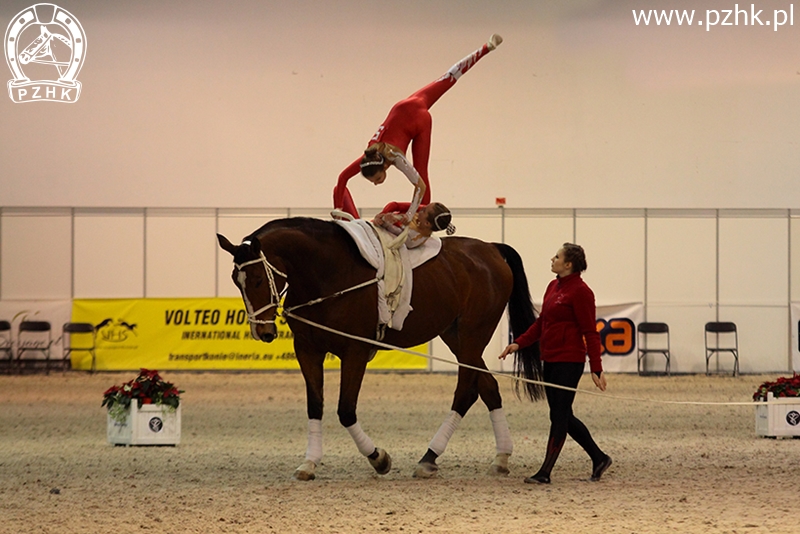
197,334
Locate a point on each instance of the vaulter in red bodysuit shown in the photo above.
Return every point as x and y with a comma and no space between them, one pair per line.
408,122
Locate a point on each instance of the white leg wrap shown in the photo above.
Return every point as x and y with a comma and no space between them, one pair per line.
364,444
439,442
502,434
464,65
314,450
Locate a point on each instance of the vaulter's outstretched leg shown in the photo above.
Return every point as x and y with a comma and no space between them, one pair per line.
432,92
418,104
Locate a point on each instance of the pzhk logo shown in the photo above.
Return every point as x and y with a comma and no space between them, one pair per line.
45,49
793,418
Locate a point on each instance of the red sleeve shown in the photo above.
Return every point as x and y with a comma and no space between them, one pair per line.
585,313
399,207
341,185
531,335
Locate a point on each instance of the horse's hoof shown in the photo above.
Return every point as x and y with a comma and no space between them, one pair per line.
498,470
426,470
500,465
305,471
383,463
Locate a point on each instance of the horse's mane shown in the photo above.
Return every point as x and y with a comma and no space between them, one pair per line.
322,230
314,227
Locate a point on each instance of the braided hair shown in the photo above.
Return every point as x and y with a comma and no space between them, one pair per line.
372,162
575,255
440,218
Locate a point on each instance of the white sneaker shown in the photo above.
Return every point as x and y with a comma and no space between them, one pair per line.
494,41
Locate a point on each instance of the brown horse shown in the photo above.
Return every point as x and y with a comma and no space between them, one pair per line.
459,295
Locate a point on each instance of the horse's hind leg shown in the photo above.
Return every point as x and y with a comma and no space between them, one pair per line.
504,446
465,396
471,385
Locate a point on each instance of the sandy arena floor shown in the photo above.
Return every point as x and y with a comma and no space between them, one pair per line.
685,469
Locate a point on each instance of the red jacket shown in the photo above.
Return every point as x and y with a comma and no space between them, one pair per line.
567,326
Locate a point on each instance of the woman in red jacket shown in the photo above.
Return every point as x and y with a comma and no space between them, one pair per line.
566,331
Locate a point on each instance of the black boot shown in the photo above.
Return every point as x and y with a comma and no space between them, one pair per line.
600,468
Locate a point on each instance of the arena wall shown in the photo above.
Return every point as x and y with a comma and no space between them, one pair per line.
686,267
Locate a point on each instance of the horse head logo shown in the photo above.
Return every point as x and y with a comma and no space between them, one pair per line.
115,331
45,50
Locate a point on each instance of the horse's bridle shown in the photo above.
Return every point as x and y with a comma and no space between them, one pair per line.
275,296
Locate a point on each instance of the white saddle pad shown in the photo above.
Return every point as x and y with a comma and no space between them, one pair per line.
363,233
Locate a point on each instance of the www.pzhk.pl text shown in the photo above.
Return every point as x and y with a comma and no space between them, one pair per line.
738,16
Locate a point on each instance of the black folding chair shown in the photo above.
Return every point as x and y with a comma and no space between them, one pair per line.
6,346
34,337
722,337
649,333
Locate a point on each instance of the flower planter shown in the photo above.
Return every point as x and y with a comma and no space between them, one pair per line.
152,424
781,419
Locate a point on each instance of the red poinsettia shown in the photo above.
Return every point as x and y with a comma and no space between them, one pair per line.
147,388
782,387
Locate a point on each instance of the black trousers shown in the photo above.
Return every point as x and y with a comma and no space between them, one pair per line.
562,421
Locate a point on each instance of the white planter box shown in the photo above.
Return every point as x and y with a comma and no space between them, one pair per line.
780,419
152,424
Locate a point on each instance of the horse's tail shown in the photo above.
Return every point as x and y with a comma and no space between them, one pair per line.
521,316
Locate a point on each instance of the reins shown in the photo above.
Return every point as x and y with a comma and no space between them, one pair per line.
337,294
275,296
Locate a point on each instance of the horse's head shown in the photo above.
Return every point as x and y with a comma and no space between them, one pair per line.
260,283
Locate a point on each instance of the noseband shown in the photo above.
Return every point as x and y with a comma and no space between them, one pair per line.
274,298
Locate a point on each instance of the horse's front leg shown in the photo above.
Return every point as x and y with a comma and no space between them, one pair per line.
352,376
311,366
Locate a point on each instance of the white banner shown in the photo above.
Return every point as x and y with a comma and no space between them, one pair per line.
617,327
55,312
795,334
